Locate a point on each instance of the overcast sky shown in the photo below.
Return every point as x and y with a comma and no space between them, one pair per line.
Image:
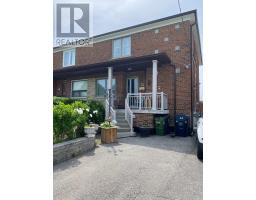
109,15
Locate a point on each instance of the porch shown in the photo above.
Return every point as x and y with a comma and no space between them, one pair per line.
128,83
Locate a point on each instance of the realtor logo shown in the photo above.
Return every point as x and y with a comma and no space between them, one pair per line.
72,20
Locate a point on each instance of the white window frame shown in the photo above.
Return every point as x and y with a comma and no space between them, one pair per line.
71,88
72,57
122,50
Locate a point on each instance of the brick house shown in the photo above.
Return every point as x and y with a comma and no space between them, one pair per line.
151,68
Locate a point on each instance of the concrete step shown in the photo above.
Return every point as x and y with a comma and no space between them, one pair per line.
124,127
120,115
120,111
121,120
125,134
121,129
122,124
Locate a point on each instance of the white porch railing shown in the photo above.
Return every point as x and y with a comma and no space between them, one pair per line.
112,111
129,115
143,101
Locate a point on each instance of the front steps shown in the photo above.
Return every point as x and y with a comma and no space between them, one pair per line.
123,129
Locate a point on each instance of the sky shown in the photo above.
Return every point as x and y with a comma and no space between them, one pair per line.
110,15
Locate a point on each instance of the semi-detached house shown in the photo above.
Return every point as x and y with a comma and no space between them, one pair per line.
152,68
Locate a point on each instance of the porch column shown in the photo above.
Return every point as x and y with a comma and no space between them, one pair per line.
109,85
154,84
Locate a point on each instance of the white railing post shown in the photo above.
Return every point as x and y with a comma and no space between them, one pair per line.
162,101
131,128
154,84
125,109
140,101
128,115
128,99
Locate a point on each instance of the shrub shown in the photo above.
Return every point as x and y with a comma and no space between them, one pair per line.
96,112
82,118
96,108
64,122
65,100
70,116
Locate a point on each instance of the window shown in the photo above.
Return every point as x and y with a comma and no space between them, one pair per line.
121,47
101,87
177,26
177,48
69,57
79,88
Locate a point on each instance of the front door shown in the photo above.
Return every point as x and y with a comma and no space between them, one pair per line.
132,85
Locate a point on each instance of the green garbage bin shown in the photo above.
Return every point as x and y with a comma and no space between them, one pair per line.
161,125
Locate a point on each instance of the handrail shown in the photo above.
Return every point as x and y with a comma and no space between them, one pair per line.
112,111
144,101
129,115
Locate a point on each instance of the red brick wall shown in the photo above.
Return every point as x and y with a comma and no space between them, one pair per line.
57,60
143,119
145,43
142,43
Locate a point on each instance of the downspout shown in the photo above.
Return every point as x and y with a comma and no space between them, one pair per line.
174,99
191,84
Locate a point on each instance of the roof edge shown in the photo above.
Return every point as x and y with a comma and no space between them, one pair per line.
141,24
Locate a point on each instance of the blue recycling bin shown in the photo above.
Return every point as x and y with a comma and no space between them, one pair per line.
182,125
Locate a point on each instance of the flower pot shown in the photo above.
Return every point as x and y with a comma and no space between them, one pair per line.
145,131
96,127
90,130
108,135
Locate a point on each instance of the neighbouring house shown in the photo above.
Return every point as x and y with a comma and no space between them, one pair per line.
152,68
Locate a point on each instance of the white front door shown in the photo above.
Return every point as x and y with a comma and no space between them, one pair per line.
132,85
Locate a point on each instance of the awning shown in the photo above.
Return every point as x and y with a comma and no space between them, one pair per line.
117,64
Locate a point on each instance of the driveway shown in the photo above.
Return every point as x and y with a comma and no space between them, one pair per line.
153,168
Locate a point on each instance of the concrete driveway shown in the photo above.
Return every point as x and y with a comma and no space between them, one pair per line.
153,168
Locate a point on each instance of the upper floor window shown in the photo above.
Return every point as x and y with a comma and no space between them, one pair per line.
79,88
121,47
69,57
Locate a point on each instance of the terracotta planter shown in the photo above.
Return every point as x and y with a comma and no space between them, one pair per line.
108,135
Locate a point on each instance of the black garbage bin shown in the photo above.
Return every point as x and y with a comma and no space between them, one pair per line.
181,125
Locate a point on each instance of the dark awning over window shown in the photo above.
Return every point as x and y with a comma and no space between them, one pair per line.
117,64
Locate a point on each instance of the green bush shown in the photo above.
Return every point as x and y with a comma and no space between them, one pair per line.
82,118
96,112
96,108
64,122
65,100
70,116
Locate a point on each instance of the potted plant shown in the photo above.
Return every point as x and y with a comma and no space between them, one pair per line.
108,132
90,129
145,130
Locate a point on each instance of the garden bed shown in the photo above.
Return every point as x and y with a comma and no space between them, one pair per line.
69,149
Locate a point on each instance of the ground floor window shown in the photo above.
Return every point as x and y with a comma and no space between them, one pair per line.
79,88
101,87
